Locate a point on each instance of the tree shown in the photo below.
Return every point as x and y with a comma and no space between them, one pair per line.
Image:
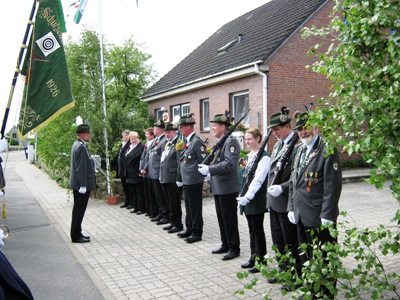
363,60
127,75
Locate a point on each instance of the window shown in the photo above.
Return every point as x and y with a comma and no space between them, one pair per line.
180,110
205,114
240,105
158,114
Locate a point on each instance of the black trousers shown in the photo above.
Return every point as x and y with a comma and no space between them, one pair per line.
194,209
78,212
146,195
161,199
137,197
323,236
284,237
125,189
226,207
153,199
173,193
258,244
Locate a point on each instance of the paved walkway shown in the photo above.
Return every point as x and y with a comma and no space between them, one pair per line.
130,257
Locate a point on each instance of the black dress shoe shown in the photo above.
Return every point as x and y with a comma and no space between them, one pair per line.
220,250
230,255
272,280
254,270
184,234
157,218
140,212
147,215
248,265
130,207
86,237
162,222
81,240
290,288
175,229
124,205
168,227
193,239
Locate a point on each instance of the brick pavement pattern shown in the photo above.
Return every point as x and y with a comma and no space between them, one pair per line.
130,257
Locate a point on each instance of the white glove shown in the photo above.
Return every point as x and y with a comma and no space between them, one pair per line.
326,222
82,190
242,201
275,190
291,217
179,184
1,194
204,169
1,238
208,177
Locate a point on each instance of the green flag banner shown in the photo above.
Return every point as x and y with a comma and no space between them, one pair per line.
47,91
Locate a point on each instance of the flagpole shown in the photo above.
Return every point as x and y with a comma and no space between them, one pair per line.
104,104
18,68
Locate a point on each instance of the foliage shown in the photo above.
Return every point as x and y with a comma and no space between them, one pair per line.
14,142
363,112
127,76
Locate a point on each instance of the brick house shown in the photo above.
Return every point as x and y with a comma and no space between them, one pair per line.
256,61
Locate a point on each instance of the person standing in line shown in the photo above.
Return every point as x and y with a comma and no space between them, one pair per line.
82,181
121,168
283,232
154,173
192,153
168,176
144,161
224,183
132,173
315,186
253,202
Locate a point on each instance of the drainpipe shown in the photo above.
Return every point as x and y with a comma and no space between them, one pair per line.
265,96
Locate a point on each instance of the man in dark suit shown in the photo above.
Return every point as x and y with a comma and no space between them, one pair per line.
131,160
314,189
82,181
154,173
192,152
121,167
144,165
283,232
168,176
225,187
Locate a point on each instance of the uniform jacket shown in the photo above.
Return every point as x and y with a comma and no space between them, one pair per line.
132,161
121,152
144,158
224,170
155,157
169,163
258,187
315,190
279,204
82,167
192,154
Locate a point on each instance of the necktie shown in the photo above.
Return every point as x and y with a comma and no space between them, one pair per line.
279,148
303,157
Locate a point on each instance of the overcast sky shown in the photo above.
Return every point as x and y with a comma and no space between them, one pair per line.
168,29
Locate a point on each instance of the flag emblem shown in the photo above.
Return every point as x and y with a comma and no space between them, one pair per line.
48,44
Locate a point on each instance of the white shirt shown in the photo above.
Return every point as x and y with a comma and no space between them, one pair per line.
259,176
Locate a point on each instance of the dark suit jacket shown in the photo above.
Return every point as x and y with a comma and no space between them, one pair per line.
120,164
132,161
279,204
169,163
225,171
155,157
82,168
11,284
315,190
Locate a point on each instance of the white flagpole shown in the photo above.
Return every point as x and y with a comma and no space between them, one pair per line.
104,104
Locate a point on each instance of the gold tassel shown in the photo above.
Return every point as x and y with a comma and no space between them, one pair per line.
179,145
3,211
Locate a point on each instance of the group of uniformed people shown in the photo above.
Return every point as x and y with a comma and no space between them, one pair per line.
305,197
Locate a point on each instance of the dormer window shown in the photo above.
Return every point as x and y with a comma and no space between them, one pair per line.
229,45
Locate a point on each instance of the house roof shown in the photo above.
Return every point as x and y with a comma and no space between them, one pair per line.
250,38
